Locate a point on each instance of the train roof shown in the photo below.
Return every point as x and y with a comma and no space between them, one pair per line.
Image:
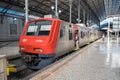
81,25
43,19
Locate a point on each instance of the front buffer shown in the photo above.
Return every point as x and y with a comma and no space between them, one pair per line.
38,61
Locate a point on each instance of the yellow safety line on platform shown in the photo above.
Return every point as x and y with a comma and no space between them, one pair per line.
76,49
88,42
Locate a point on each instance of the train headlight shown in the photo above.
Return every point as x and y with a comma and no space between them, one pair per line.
38,50
22,48
41,50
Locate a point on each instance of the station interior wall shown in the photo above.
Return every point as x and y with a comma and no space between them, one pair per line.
10,27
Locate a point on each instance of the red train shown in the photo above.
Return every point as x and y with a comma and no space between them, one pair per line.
45,39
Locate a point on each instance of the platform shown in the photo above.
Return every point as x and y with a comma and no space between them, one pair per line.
98,61
10,49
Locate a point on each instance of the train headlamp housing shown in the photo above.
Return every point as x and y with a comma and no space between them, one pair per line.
38,50
22,48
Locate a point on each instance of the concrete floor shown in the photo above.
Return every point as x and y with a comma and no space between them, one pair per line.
98,61
9,49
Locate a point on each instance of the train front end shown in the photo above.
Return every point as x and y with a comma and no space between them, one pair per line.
38,42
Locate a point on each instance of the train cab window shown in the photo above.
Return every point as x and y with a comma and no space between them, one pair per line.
32,30
39,28
44,30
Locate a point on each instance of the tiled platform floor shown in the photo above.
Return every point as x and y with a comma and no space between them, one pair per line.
99,61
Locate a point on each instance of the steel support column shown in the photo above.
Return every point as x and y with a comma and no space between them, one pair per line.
56,8
26,10
78,11
70,4
84,15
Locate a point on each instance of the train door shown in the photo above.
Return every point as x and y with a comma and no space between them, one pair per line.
76,35
83,36
70,34
61,41
65,41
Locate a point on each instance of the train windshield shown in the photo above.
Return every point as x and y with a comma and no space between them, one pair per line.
39,28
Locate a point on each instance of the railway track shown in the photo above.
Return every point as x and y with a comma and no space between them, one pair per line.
23,71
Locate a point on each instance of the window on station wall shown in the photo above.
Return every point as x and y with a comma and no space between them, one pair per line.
1,19
13,29
23,22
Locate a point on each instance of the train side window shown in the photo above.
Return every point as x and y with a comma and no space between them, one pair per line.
44,30
62,31
70,34
82,34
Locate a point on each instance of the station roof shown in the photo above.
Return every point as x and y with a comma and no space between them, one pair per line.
98,9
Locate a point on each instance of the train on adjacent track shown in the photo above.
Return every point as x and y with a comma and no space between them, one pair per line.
45,39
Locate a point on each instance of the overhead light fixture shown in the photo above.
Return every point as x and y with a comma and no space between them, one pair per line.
14,19
60,11
52,7
78,20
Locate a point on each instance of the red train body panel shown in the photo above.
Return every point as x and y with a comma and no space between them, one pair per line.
47,44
